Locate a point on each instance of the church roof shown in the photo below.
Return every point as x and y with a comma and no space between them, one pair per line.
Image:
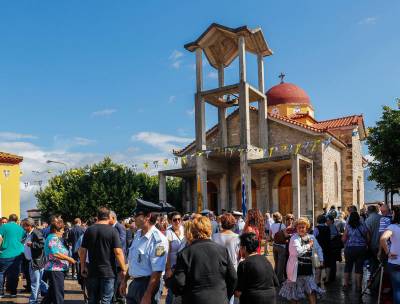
7,158
302,115
353,120
287,93
316,128
220,43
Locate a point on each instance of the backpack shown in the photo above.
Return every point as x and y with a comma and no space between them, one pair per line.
280,236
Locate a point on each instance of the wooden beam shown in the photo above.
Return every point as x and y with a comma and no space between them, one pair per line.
199,69
242,58
262,106
244,115
223,134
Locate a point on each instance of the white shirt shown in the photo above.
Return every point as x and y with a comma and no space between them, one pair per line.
395,243
175,242
148,253
231,242
27,249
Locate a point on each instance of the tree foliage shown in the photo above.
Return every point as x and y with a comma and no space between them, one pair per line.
79,192
384,146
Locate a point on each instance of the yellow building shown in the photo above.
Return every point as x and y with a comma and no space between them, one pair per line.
10,173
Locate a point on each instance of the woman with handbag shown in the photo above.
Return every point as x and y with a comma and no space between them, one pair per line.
175,235
356,239
278,235
305,254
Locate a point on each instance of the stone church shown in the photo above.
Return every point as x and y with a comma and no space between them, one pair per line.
262,140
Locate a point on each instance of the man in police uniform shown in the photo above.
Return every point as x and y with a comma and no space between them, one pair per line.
147,257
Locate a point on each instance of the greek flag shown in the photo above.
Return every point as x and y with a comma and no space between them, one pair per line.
244,199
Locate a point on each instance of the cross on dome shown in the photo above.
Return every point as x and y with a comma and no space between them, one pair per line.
281,76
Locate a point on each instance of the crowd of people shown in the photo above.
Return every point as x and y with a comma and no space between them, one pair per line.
200,257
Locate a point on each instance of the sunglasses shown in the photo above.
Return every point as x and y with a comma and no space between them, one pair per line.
290,219
176,219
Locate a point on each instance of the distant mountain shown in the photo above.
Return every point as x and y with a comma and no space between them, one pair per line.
371,193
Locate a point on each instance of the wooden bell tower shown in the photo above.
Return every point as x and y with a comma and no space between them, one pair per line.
221,45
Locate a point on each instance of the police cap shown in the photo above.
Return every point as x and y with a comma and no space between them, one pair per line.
146,207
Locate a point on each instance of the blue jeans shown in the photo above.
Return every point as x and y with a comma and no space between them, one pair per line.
394,271
37,284
10,268
100,290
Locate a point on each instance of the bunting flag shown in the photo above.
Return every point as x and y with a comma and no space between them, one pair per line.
244,198
295,148
298,147
271,150
184,160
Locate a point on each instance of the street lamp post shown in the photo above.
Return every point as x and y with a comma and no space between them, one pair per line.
49,161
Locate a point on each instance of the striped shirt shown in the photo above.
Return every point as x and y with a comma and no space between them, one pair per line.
384,223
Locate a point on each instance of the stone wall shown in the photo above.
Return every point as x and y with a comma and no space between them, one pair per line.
332,176
358,170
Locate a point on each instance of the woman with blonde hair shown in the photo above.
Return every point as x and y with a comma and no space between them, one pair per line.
203,268
304,250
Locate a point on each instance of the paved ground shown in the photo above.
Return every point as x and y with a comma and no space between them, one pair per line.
334,294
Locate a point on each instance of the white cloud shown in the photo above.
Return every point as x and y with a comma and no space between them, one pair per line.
162,142
64,142
105,112
177,64
212,75
172,99
368,21
190,112
82,141
35,159
175,55
15,136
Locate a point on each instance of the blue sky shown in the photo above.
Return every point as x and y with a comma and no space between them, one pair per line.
84,79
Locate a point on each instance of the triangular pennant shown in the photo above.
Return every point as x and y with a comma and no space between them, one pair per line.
270,151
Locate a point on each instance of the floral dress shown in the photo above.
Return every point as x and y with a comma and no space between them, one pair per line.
54,245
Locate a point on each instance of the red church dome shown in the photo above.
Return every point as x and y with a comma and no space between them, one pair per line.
287,93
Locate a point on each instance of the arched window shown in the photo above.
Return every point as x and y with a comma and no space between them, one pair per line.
336,182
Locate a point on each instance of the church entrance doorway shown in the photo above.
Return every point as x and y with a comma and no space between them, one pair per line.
239,195
285,195
212,196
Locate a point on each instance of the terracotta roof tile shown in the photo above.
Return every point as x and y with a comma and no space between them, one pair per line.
10,158
353,120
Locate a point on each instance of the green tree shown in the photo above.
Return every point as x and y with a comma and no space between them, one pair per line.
384,146
79,192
